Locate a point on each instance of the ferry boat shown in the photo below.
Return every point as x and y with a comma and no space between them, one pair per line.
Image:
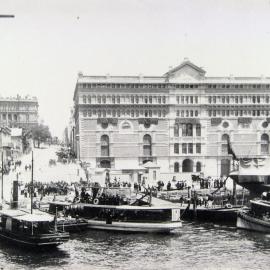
65,222
123,215
30,230
129,218
255,218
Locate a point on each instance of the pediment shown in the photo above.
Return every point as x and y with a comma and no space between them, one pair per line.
185,72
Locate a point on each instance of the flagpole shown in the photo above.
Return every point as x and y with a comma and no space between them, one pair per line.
2,172
32,182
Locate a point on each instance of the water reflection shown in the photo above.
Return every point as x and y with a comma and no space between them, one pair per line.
195,246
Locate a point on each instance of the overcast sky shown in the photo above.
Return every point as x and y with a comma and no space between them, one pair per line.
48,42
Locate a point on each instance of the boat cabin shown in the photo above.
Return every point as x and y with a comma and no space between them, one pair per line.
22,222
126,213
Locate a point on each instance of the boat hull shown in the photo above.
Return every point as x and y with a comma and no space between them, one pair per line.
134,226
44,241
245,221
72,227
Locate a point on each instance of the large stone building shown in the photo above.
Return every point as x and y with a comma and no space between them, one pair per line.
183,121
20,112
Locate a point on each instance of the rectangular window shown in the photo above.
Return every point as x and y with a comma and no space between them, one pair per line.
182,100
187,130
176,130
164,99
176,148
196,100
224,149
184,148
190,148
154,175
198,148
198,130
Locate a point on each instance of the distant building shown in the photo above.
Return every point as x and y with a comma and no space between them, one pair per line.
20,112
16,142
5,144
182,121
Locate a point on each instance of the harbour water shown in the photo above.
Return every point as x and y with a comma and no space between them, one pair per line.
194,246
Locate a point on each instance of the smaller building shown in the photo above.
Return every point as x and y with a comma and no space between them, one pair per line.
16,141
5,143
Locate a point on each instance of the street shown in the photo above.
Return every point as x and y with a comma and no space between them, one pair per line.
42,171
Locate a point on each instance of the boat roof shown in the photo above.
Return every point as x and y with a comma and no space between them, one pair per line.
25,216
35,218
261,202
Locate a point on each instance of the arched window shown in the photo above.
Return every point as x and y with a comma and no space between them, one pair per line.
187,165
176,130
147,145
225,139
265,144
198,130
105,146
176,167
198,166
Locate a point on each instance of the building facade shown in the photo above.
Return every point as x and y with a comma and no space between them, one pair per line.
183,122
19,112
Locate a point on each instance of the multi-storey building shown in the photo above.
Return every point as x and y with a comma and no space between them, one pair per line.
182,121
19,112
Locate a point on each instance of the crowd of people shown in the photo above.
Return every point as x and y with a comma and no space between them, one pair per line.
45,189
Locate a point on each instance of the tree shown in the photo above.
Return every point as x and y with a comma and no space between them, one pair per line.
26,136
40,133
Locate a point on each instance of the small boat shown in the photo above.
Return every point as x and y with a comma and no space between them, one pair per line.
255,218
112,211
30,230
66,222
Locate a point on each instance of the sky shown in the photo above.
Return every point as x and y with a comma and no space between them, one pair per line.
49,41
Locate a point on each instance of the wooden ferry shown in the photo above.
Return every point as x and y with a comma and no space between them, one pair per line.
30,230
120,209
256,218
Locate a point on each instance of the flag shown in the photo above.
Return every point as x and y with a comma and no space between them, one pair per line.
231,152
